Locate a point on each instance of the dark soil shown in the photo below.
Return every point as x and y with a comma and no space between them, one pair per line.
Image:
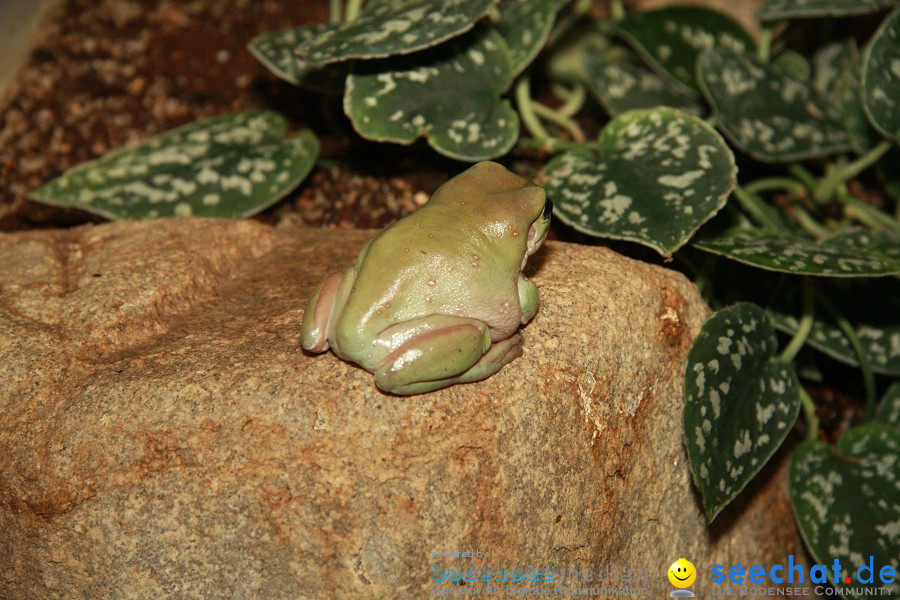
105,74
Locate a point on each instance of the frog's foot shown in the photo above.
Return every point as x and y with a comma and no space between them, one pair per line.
319,309
489,363
493,360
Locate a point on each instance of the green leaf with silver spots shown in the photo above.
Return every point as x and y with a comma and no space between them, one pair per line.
847,503
391,28
779,10
670,39
275,50
740,402
837,73
871,307
768,114
229,166
621,86
885,243
449,95
526,25
889,407
831,60
660,175
881,78
846,92
788,254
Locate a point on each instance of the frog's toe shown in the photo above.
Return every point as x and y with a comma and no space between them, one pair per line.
493,360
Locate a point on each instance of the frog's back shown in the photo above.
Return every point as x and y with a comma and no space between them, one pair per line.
416,268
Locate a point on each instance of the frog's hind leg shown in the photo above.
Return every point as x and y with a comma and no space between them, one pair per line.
319,311
499,354
445,364
433,349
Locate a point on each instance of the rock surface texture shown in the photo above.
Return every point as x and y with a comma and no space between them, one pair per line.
162,433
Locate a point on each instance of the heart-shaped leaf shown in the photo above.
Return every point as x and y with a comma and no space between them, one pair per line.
881,78
275,50
781,252
889,408
660,175
670,39
847,503
740,403
779,10
766,113
837,73
846,92
873,309
876,342
393,27
526,25
450,95
624,85
229,166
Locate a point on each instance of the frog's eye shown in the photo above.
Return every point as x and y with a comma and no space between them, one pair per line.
548,208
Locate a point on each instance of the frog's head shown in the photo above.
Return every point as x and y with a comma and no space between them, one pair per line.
500,204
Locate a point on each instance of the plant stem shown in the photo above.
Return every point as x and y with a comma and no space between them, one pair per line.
617,10
759,210
803,328
765,44
809,411
800,172
847,328
556,118
549,144
565,23
769,184
353,8
865,214
334,11
573,99
527,112
705,279
826,189
809,225
326,164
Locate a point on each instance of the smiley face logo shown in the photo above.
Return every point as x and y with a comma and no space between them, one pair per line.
682,573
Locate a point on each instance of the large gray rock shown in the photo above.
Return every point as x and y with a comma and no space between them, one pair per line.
161,432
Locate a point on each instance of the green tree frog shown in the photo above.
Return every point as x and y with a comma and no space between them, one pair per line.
437,297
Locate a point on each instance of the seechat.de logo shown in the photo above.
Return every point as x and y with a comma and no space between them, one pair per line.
794,573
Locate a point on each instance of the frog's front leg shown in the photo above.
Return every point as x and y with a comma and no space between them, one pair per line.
327,299
438,351
528,298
